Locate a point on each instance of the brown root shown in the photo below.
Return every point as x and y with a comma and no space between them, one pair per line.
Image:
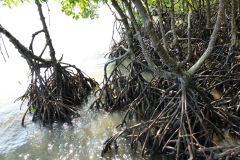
179,119
176,117
56,95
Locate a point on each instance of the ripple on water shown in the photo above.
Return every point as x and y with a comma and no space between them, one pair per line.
82,140
12,133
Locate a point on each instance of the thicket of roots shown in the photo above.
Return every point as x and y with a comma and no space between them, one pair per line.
177,118
55,94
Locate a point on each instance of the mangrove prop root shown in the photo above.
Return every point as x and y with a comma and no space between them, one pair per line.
181,119
175,118
51,98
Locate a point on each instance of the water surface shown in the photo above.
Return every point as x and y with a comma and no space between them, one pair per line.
82,43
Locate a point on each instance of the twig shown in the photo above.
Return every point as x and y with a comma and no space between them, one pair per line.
4,44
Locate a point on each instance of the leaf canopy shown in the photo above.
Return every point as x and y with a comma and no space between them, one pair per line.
81,8
10,2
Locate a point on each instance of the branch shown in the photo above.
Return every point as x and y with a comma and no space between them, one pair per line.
2,54
140,39
160,72
43,50
119,58
173,27
47,35
27,54
212,41
4,45
126,25
161,25
233,23
33,37
150,30
189,41
208,12
148,10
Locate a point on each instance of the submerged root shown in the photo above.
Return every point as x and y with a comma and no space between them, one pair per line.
178,119
183,128
56,94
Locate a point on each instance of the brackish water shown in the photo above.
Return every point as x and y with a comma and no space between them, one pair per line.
82,43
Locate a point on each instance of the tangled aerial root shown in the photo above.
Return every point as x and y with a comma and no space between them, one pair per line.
56,94
177,118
